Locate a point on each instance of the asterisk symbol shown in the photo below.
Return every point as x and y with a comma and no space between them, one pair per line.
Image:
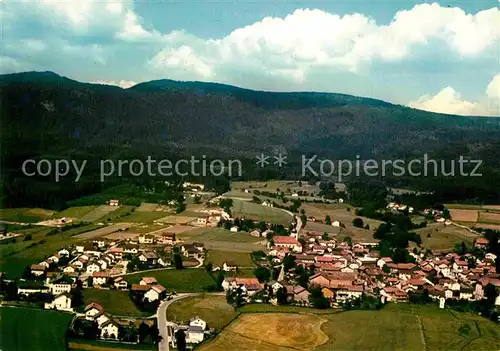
280,160
262,160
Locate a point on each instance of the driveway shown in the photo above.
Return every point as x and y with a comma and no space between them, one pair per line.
161,316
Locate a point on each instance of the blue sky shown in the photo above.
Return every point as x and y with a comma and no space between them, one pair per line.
441,56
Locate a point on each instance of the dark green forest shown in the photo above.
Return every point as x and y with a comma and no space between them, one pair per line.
46,116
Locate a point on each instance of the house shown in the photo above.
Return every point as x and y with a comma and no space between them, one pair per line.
61,285
234,229
37,269
55,258
61,302
120,283
102,318
63,252
189,251
167,238
27,288
93,267
70,269
255,233
481,243
287,242
146,239
164,261
131,248
250,286
156,292
195,334
148,281
301,295
149,256
109,330
93,309
229,266
202,221
114,202
336,224
197,321
139,288
99,278
328,293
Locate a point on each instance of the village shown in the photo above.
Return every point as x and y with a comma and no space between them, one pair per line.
303,268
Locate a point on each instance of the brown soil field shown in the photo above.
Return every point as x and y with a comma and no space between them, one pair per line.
489,217
488,226
460,215
279,332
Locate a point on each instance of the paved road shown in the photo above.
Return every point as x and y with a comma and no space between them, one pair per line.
161,316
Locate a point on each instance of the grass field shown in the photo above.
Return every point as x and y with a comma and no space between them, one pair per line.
141,217
444,237
99,213
241,259
115,302
183,280
212,309
395,327
14,257
103,230
218,234
93,345
34,330
176,219
258,212
25,215
104,215
75,212
473,207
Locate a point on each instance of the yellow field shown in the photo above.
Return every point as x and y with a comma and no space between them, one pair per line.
271,331
395,327
444,237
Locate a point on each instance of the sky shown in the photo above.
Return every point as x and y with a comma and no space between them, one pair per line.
437,56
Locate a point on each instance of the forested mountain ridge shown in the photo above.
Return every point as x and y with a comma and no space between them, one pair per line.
46,114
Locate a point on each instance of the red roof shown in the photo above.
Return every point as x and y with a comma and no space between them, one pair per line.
285,240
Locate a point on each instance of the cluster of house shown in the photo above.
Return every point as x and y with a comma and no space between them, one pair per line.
345,272
195,331
101,263
395,207
149,289
437,215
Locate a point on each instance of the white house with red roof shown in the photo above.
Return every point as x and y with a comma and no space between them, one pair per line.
282,241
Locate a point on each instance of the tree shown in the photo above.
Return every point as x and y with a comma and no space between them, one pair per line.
325,236
281,296
76,297
262,273
178,261
144,332
180,340
209,266
328,220
348,240
358,222
289,262
317,299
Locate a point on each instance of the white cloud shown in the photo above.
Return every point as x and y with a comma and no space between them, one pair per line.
308,38
122,83
446,101
451,102
493,90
